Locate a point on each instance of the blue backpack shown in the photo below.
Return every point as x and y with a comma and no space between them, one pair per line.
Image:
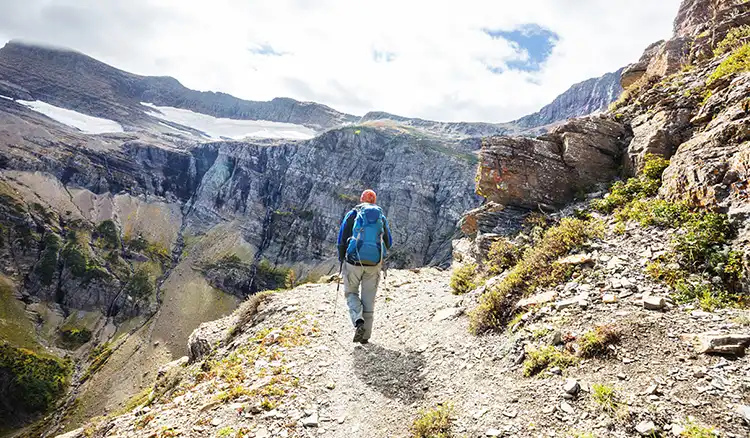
366,244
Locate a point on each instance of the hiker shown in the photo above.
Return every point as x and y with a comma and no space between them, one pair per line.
363,239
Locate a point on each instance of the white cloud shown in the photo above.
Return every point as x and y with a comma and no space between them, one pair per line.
437,60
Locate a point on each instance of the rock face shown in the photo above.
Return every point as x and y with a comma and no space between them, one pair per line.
548,171
39,73
579,100
700,25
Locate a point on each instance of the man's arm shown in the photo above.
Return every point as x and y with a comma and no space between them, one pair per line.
345,232
387,238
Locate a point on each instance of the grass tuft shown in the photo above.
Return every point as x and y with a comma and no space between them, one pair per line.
503,255
463,279
433,423
546,357
737,62
594,343
609,400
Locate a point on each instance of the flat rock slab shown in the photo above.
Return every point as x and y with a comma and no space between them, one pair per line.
450,313
718,343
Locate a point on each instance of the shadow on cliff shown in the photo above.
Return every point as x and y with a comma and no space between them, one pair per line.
395,374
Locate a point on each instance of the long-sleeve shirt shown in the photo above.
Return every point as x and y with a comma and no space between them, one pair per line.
345,232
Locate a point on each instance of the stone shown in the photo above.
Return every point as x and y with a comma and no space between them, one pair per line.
652,302
567,408
576,259
646,428
216,422
510,413
449,313
556,370
571,386
311,420
609,298
561,305
538,299
262,432
677,430
652,390
744,412
622,376
493,432
718,343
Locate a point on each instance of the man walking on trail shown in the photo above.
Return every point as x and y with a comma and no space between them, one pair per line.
363,239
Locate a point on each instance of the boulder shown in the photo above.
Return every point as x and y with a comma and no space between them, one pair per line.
205,338
718,343
634,72
651,302
547,171
657,133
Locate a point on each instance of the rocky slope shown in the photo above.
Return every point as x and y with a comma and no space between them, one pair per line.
581,99
290,368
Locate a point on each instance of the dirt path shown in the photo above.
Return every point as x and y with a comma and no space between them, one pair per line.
422,354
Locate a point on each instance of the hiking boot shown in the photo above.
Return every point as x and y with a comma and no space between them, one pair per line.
359,330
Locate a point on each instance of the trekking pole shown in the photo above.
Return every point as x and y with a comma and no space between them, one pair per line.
338,287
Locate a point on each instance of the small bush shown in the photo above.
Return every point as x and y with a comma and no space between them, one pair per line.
74,337
737,62
434,423
503,255
645,185
462,280
654,212
537,268
594,343
734,40
108,234
546,357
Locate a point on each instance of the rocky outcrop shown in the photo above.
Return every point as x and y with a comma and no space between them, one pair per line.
700,25
32,72
547,171
579,100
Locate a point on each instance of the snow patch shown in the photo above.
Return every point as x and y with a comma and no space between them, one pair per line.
218,128
83,122
5,97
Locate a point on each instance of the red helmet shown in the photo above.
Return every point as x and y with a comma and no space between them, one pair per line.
368,196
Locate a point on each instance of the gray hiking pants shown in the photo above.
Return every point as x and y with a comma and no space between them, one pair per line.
361,306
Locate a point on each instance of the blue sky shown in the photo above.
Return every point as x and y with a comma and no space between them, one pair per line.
475,60
531,39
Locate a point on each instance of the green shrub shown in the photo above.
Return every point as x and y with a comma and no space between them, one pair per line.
594,343
48,262
108,234
653,211
703,232
537,268
268,274
73,337
502,255
546,357
141,284
433,423
646,184
463,279
156,251
734,40
737,62
37,381
75,259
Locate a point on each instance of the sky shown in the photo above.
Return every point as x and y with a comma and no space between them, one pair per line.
469,60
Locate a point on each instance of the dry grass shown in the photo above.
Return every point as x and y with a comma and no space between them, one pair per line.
247,312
